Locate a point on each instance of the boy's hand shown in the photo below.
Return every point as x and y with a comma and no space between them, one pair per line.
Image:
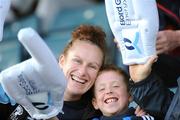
139,111
138,72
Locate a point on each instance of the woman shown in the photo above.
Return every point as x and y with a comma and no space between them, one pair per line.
80,62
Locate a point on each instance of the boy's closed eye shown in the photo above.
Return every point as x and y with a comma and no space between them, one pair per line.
116,85
101,89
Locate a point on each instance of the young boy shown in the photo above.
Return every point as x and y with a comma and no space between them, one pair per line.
112,97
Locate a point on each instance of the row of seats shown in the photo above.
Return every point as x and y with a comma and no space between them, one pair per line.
58,34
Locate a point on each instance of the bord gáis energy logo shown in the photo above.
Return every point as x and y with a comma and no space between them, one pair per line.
132,45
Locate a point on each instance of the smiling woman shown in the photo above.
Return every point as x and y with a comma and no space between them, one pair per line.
80,62
82,69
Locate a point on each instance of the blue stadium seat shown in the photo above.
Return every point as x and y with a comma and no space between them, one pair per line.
92,14
57,41
11,30
9,53
68,19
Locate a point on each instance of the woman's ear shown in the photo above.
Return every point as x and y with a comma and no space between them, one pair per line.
94,103
61,60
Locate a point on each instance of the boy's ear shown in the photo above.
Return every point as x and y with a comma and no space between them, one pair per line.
95,103
130,98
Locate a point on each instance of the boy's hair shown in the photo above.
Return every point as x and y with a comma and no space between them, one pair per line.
112,67
92,34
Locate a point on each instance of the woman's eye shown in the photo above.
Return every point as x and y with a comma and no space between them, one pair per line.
77,60
93,67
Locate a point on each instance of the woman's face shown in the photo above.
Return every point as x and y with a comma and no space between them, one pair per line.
80,66
111,94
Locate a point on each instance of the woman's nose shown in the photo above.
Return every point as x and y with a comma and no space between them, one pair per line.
82,71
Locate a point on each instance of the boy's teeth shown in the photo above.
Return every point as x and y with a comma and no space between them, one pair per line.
111,100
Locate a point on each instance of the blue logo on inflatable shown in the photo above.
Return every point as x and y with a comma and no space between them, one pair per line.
118,2
133,45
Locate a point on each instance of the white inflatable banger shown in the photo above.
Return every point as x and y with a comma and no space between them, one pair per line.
135,24
4,8
37,84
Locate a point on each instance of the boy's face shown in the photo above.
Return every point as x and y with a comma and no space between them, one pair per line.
111,95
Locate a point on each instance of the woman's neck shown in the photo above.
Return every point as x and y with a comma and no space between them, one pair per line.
71,97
